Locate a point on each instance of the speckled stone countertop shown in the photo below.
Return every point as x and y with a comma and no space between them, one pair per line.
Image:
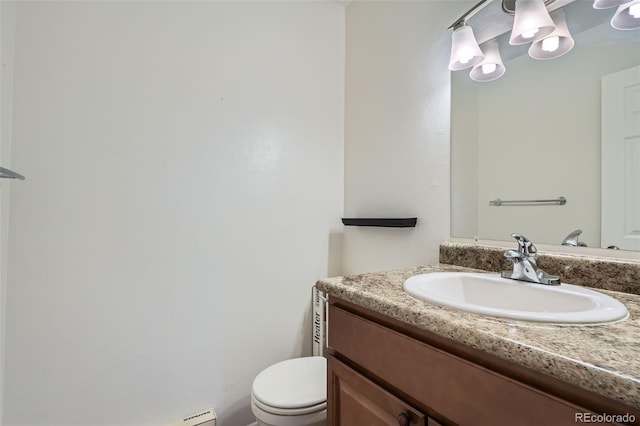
604,359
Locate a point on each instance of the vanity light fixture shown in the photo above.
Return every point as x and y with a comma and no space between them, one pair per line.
555,44
606,4
531,23
627,17
465,51
491,67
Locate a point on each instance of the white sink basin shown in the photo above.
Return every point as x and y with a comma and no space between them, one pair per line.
489,294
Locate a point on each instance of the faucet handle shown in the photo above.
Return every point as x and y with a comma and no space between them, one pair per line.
525,246
513,255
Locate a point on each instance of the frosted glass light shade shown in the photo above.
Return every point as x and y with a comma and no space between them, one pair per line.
542,49
491,67
606,4
532,22
627,17
465,51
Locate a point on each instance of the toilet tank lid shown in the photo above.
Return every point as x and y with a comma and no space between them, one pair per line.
294,383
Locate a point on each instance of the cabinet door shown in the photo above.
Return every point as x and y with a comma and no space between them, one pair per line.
355,400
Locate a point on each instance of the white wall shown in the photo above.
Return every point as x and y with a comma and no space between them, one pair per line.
184,166
397,129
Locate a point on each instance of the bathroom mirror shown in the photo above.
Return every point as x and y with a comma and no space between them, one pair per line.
536,134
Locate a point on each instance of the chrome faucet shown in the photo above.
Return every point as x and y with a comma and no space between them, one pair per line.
525,265
572,239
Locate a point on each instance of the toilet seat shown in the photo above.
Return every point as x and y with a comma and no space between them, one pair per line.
288,411
292,384
265,418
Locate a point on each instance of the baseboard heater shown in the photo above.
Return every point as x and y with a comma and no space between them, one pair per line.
204,418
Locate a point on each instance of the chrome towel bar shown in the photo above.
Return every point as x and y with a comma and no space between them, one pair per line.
10,174
560,201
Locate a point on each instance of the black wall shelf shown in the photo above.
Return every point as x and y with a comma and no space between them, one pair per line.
409,222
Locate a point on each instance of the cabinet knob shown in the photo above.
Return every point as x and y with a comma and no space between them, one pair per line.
403,420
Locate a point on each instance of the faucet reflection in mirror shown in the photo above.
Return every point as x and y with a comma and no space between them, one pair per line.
548,34
572,239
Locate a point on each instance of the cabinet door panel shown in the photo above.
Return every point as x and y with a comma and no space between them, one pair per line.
355,400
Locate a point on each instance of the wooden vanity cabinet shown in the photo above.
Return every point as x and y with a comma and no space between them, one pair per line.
385,372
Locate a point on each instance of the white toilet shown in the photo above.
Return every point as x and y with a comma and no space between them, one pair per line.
291,393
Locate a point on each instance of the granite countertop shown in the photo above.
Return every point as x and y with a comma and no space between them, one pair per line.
601,358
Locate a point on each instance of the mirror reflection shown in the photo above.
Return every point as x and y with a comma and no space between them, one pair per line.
567,127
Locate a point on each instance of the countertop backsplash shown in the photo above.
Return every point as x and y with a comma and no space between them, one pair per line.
588,271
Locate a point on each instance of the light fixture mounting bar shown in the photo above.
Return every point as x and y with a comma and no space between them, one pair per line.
509,6
469,13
